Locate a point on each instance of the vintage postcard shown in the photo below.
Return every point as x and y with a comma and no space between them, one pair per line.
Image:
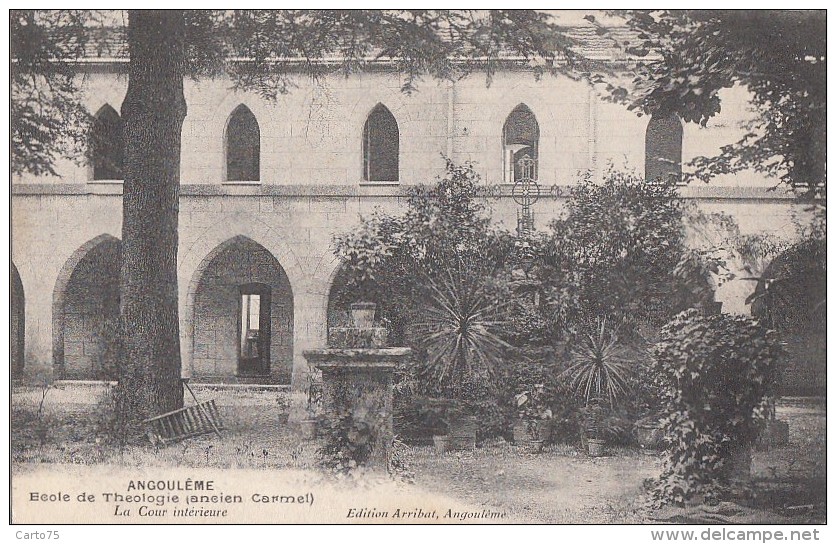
418,267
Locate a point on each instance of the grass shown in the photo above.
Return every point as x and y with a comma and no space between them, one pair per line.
558,485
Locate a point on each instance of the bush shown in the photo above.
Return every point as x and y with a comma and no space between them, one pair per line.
540,369
350,437
718,373
620,252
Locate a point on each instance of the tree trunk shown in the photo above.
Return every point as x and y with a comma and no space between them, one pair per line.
153,112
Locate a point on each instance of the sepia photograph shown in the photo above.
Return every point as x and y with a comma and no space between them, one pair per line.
414,266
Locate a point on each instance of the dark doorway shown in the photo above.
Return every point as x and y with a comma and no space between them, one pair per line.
254,339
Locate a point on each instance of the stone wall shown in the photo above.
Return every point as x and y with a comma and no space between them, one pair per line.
311,188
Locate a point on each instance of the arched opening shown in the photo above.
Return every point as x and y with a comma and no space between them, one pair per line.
86,312
520,137
243,146
107,144
791,297
242,316
663,149
381,146
17,322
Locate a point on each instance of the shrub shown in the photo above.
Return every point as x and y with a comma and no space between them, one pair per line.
539,369
349,438
718,373
620,252
438,271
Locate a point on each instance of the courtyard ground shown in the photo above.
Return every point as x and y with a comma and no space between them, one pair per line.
58,441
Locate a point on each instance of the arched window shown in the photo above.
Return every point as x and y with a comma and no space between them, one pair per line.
107,144
381,145
520,137
243,146
663,148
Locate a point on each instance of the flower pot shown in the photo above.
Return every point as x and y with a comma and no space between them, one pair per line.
775,433
596,447
650,436
537,446
528,431
362,314
521,435
463,432
441,443
307,428
739,467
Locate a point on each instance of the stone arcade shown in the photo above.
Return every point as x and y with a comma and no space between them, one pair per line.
265,185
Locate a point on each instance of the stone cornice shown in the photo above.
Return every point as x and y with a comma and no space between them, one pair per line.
698,192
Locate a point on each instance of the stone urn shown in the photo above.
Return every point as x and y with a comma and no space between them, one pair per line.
362,314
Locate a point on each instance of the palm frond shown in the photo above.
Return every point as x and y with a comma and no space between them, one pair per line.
601,368
458,324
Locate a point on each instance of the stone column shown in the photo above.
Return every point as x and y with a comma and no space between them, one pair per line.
359,382
38,319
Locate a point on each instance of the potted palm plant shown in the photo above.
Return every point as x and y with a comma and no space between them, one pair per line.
595,428
599,375
457,326
534,424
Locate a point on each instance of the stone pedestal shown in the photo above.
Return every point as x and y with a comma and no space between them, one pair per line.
359,381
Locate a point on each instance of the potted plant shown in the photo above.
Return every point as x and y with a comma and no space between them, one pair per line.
594,428
313,393
534,424
649,433
435,413
599,375
458,328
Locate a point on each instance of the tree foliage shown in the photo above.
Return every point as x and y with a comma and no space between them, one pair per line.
619,253
791,293
686,57
261,50
47,119
437,270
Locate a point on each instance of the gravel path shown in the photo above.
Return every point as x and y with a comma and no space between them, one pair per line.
558,485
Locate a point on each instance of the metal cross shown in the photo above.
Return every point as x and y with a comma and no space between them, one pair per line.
526,192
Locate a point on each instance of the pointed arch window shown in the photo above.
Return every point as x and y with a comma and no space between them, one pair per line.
107,144
520,137
663,148
243,146
381,146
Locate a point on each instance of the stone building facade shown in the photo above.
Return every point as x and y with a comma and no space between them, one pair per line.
265,185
